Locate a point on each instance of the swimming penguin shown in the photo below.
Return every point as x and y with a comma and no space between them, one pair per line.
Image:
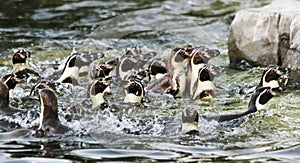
132,61
134,91
97,91
11,80
157,69
20,65
49,122
204,87
5,108
103,70
70,73
257,102
189,121
199,57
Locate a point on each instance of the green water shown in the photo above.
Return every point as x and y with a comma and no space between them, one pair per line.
51,30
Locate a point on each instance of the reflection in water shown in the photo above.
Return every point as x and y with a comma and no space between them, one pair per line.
52,29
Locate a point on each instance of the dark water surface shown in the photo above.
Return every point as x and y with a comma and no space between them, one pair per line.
126,133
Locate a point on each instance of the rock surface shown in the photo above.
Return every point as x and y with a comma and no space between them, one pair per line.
268,35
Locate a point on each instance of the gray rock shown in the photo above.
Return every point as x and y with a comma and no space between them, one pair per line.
268,35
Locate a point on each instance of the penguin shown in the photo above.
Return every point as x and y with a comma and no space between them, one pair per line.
20,66
132,61
189,121
49,122
257,102
103,70
134,91
270,76
157,69
204,87
97,91
70,73
5,108
199,58
11,80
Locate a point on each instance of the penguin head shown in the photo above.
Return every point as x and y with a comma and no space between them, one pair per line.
156,68
99,86
189,115
11,80
102,70
206,73
135,51
202,54
20,56
139,75
271,75
181,55
260,98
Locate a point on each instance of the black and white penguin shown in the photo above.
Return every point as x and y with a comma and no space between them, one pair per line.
132,61
97,90
20,66
189,121
11,80
199,57
74,63
157,69
134,91
102,70
257,102
204,87
271,75
49,121
5,108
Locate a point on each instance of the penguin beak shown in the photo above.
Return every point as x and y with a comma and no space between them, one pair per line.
281,70
273,91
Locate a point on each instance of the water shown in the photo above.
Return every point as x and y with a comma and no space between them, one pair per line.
51,30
